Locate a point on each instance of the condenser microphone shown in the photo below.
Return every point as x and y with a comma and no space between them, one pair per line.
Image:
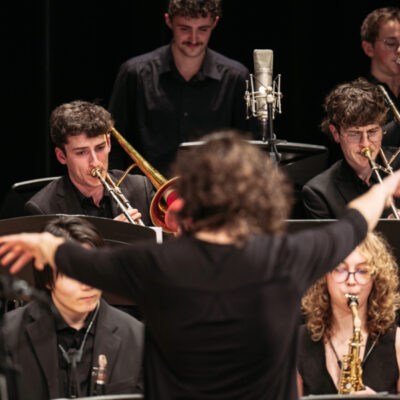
263,66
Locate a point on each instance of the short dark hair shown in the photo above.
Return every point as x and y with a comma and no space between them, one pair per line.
77,117
194,8
356,103
71,228
229,183
375,19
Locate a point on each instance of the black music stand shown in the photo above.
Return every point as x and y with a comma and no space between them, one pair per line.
113,232
389,228
109,397
349,396
300,161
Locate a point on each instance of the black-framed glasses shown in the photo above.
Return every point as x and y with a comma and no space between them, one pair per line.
390,43
362,275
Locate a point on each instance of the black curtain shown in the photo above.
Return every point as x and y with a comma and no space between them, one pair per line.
56,51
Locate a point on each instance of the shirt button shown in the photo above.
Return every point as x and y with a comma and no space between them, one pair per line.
185,114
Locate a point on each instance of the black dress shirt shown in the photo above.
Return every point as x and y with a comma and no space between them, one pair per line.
88,206
70,338
156,109
225,325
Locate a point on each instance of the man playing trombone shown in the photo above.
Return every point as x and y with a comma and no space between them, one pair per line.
355,113
79,132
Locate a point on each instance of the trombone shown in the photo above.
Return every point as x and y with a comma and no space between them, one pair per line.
389,101
366,152
115,192
165,194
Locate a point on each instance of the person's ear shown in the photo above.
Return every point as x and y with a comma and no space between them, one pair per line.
168,20
215,22
335,133
61,157
368,48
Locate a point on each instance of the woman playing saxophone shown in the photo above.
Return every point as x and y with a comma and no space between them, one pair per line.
332,334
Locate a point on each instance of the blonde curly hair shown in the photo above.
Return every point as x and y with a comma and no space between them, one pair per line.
383,301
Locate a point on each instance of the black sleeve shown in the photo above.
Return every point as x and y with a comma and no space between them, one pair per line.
120,270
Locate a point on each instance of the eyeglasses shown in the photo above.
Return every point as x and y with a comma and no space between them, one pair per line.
356,137
361,276
391,44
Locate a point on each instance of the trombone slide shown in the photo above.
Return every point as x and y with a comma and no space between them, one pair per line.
116,194
366,152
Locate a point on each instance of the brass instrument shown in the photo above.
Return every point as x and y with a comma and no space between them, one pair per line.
351,371
165,194
116,194
389,101
366,152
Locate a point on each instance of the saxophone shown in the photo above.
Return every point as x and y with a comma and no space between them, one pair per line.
351,371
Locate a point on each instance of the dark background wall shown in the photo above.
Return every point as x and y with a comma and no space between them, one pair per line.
54,51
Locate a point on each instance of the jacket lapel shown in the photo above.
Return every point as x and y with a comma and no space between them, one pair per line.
346,183
67,198
42,335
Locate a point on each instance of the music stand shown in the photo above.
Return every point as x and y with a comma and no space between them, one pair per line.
113,232
389,228
299,161
350,396
109,397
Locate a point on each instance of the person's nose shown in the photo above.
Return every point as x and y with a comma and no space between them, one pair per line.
351,280
193,36
93,160
364,141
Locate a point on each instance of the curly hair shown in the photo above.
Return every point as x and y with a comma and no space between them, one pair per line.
357,103
194,8
383,301
77,117
229,183
375,19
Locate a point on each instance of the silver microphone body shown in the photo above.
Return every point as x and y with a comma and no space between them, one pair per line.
263,71
398,61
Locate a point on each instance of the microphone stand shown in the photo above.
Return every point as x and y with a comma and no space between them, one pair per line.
268,136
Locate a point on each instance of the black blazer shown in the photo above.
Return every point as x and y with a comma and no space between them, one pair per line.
326,195
30,339
59,197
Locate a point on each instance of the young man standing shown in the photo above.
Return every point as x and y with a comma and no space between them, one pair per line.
56,346
355,112
180,91
79,131
380,40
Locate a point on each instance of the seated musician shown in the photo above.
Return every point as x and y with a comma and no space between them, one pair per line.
78,131
369,272
44,340
355,113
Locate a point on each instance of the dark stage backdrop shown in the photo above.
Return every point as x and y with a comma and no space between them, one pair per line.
54,51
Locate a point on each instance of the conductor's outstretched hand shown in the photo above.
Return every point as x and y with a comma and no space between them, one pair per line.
17,250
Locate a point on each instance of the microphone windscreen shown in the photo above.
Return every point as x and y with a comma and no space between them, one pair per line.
263,66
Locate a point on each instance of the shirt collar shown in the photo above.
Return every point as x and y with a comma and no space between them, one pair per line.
210,67
61,325
83,200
